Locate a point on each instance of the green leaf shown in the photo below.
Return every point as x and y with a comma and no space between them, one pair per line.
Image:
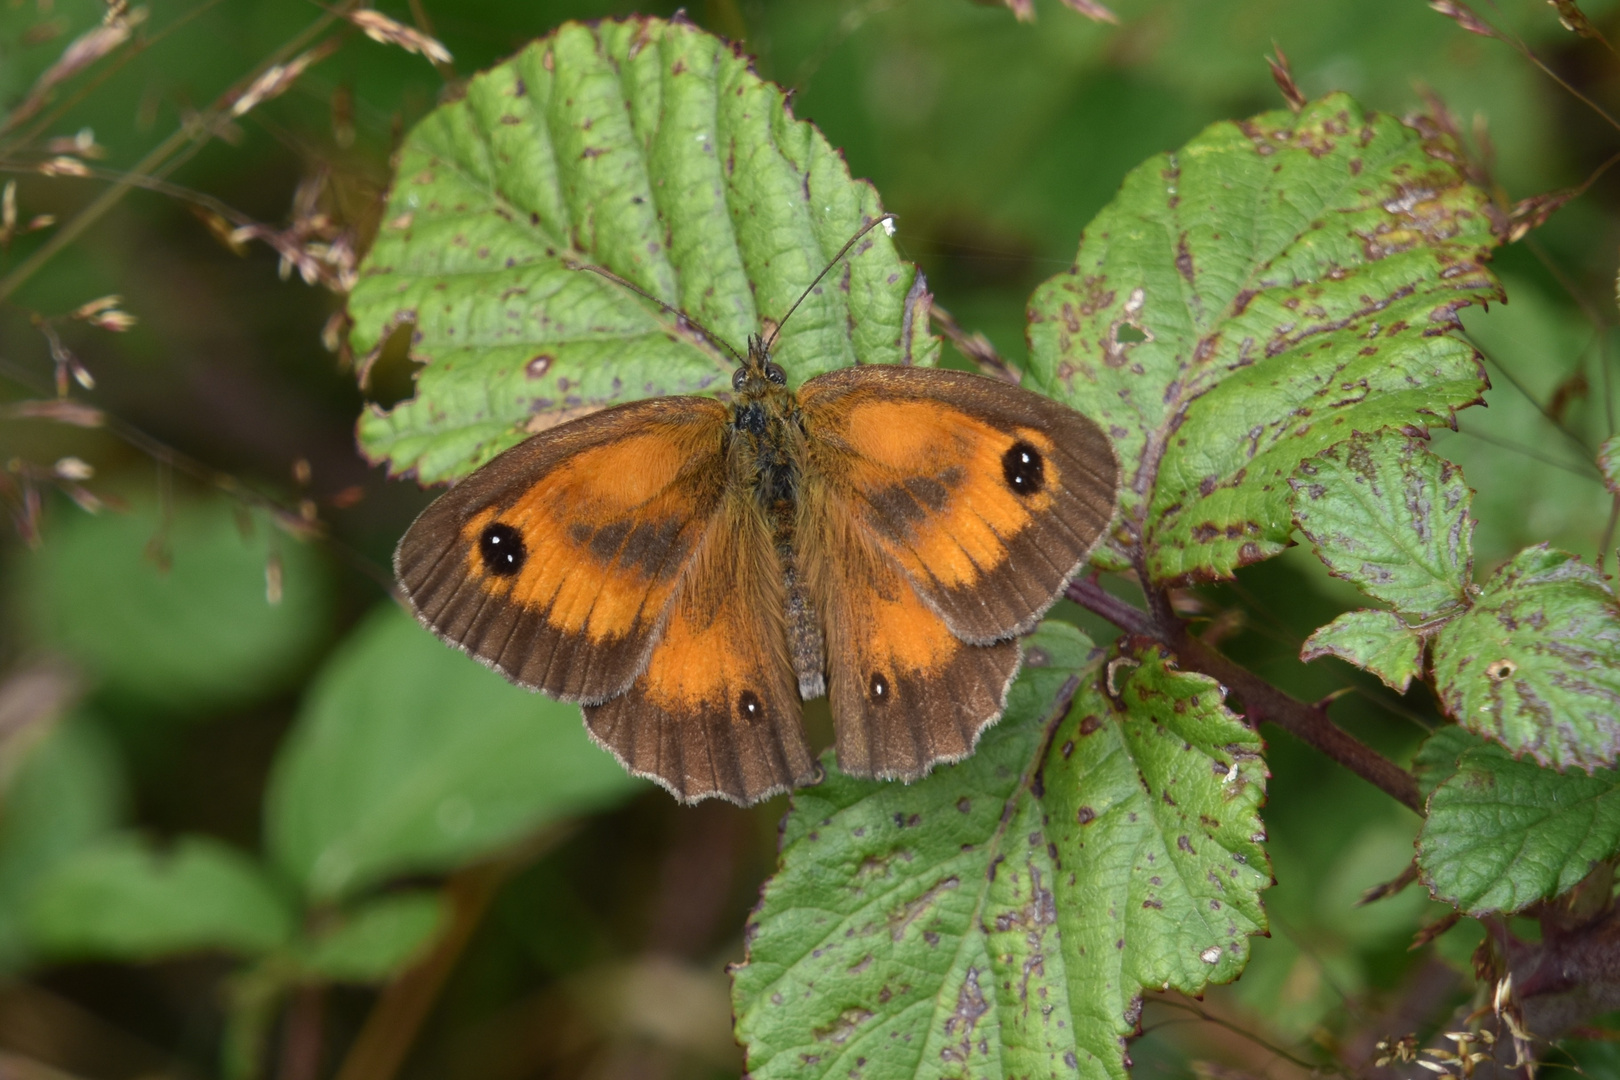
197,634
124,900
645,147
1535,664
408,757
1609,463
1436,760
1375,641
378,939
1502,834
1296,271
1385,513
1002,916
66,793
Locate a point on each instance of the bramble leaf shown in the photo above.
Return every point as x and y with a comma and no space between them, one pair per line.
409,756
123,900
1502,834
1609,463
1436,760
645,147
378,938
1385,513
1375,641
1535,663
1002,916
1253,298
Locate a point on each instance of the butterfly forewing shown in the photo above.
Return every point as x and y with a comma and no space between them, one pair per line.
556,562
629,561
988,497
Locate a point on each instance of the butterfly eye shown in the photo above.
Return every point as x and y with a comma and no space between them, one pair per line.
775,374
739,377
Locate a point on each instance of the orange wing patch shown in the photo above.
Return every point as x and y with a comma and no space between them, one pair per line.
988,497
556,562
717,710
612,543
913,459
905,692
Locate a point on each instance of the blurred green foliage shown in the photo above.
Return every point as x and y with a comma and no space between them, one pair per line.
307,792
409,757
166,605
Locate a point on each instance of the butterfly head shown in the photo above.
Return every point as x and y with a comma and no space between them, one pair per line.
758,374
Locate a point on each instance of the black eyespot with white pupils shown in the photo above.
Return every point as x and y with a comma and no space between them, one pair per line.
501,548
878,689
749,707
775,374
1023,468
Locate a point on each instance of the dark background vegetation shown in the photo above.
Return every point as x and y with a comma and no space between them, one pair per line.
602,950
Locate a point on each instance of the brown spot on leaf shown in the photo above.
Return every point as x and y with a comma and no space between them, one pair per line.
839,1031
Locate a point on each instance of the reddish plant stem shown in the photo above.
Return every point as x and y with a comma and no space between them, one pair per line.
390,1030
302,1035
1262,702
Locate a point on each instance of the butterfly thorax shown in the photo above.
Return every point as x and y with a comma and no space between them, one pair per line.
763,431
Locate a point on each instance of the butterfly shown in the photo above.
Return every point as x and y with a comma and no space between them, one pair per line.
690,570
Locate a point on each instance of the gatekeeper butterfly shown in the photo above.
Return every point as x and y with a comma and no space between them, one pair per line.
691,570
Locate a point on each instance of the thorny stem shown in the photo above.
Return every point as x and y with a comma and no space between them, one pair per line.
1261,701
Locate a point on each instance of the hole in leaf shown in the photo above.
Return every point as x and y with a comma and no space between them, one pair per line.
1126,334
391,376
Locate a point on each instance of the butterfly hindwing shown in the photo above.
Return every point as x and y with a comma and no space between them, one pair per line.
987,496
905,692
555,563
717,710
626,561
942,513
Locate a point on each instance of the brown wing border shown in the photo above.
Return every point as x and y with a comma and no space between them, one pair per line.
441,566
1005,406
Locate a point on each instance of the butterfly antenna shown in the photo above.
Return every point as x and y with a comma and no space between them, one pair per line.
708,334
836,259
